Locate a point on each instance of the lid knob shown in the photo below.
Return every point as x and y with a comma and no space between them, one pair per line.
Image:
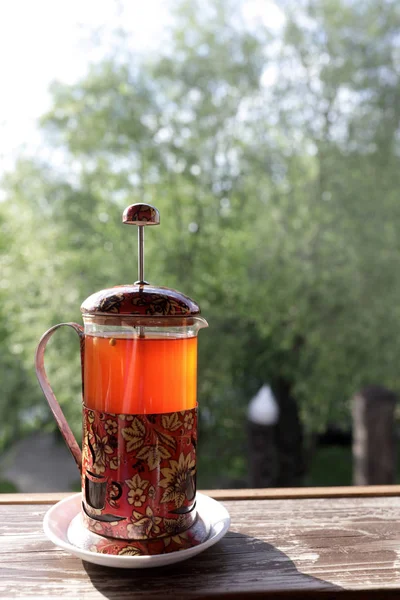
141,215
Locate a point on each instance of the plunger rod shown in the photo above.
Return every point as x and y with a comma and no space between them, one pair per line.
141,253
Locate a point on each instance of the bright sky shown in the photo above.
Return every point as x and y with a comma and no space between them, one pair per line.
43,40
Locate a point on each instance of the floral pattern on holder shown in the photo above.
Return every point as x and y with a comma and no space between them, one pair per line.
171,543
139,474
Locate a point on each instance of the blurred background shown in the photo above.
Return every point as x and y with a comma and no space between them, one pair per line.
267,134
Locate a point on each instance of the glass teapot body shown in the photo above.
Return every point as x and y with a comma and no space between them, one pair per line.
140,350
140,365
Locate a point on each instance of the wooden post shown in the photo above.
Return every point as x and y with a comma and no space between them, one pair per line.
262,416
374,444
289,436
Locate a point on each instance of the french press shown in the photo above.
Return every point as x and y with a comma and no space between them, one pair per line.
139,382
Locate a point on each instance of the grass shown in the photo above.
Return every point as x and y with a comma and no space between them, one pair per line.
7,487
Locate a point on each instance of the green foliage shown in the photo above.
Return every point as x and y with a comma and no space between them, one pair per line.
331,465
6,487
273,158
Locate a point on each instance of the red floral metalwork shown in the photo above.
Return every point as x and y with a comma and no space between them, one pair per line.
139,474
171,543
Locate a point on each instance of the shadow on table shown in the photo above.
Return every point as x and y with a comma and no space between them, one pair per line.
235,567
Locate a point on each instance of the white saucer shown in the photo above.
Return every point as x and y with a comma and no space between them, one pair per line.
57,522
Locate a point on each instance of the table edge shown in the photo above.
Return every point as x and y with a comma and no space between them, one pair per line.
237,494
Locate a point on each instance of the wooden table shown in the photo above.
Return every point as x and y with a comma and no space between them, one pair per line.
300,543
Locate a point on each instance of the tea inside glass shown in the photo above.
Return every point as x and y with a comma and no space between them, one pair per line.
140,369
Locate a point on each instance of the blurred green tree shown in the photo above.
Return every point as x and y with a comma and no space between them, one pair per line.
273,158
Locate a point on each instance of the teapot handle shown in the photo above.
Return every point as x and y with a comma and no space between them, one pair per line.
49,394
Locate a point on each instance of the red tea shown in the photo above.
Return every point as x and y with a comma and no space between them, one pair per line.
140,375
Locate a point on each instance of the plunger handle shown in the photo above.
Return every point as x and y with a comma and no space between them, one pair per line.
141,215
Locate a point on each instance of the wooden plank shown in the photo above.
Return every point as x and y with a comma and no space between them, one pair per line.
275,548
45,498
242,494
299,493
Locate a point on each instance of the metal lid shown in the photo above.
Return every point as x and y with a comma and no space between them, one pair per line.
140,298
